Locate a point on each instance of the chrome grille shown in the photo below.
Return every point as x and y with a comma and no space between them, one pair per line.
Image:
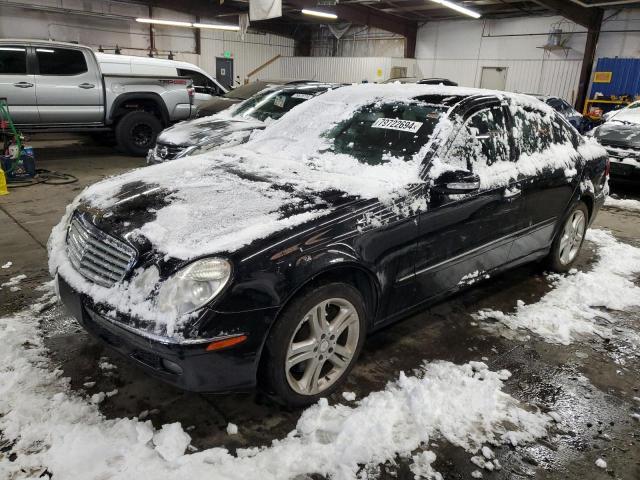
99,257
167,151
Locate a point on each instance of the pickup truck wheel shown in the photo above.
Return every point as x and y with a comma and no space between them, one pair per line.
136,132
314,344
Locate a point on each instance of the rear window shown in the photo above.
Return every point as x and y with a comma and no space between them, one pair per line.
275,103
376,133
13,60
60,61
246,91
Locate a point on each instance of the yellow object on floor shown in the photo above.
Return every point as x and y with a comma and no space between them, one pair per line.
3,183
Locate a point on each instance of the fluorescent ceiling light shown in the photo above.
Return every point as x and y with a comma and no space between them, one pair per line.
216,27
164,22
317,13
457,8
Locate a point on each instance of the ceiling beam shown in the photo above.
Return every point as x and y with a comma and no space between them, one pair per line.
362,15
587,17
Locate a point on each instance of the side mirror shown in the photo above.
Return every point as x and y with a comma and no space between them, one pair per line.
457,181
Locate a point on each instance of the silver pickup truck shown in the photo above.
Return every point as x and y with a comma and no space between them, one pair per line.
52,86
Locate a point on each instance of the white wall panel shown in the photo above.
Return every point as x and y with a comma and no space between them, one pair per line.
337,69
460,49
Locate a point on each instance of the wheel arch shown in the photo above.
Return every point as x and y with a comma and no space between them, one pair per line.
352,273
146,101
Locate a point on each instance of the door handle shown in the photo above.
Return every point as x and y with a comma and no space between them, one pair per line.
86,86
511,193
23,85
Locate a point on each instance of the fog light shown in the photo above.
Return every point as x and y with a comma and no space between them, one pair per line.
170,366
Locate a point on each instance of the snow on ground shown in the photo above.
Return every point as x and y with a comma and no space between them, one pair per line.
578,299
623,204
50,426
13,283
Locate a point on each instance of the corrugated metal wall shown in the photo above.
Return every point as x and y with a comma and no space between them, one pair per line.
625,78
249,54
337,69
548,77
460,49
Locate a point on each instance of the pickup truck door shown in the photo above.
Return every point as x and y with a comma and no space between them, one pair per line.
205,89
68,86
17,84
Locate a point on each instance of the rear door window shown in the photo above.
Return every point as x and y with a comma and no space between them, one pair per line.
13,60
60,61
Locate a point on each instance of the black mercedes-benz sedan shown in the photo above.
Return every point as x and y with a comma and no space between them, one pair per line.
234,126
267,264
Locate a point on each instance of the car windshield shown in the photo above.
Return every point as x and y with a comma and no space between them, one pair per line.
382,131
275,103
246,91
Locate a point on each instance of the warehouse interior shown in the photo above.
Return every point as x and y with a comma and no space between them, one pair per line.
526,372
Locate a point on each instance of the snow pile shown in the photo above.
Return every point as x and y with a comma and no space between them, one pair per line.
13,283
623,204
600,463
49,426
577,300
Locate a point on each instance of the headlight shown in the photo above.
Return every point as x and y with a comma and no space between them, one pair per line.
193,286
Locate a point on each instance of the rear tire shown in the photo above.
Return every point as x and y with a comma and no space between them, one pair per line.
136,132
568,242
314,344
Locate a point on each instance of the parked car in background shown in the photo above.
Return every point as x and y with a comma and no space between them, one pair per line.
240,94
52,86
630,113
423,81
621,139
205,87
565,109
232,128
268,263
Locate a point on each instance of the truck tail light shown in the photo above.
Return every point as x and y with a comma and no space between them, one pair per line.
191,91
607,168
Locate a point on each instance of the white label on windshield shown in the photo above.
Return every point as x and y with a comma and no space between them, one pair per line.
303,96
395,124
279,101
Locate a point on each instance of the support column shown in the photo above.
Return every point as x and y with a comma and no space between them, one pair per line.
593,34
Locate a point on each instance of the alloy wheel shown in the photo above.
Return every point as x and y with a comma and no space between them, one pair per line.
572,236
322,346
142,135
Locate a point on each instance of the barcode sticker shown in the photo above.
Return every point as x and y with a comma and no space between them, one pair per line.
279,101
395,124
302,96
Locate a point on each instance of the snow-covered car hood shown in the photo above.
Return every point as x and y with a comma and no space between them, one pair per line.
207,130
630,115
618,133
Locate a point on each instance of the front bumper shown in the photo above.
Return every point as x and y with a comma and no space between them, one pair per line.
186,366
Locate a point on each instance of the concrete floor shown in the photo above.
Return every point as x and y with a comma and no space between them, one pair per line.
596,415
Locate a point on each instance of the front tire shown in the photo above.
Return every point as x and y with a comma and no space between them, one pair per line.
314,344
136,132
568,242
